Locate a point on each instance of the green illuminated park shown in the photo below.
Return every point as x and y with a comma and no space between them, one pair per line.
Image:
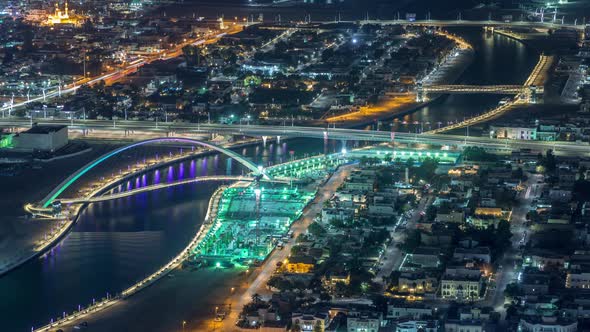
252,221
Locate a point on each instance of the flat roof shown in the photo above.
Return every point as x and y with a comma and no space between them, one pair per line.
44,129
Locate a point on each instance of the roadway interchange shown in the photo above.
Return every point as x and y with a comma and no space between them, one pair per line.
344,134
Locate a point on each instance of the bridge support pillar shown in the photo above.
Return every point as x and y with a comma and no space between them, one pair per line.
264,139
278,139
532,94
420,94
344,146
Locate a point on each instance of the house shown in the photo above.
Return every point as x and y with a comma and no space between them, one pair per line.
454,325
540,259
461,283
307,322
339,213
408,309
451,216
300,264
578,278
417,326
509,132
416,282
547,323
535,282
365,321
425,257
458,287
482,254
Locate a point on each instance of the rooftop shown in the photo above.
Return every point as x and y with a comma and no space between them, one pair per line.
44,129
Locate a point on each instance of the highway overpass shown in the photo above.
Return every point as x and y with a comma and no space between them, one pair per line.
343,134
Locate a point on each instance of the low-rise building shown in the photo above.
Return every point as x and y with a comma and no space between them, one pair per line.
578,279
544,323
366,321
408,310
507,132
417,326
460,287
453,325
309,322
41,138
300,264
482,254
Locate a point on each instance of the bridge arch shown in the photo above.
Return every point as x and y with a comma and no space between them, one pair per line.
75,176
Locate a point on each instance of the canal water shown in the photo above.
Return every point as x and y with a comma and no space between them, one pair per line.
498,60
116,243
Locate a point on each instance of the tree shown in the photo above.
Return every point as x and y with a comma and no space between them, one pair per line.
512,290
427,169
318,327
475,153
316,230
411,242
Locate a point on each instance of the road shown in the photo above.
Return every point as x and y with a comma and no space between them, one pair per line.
490,23
393,256
346,134
119,73
507,273
258,284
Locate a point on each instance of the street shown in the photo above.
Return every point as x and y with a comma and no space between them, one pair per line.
507,273
260,277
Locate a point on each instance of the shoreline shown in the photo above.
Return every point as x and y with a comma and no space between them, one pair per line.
67,228
202,234
151,279
403,110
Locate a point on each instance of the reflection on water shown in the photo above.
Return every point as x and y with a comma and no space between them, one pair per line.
498,60
117,242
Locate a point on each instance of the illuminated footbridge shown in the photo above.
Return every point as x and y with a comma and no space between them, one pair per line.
158,186
465,89
44,206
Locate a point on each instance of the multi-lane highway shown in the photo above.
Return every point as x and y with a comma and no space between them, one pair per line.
345,134
119,73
